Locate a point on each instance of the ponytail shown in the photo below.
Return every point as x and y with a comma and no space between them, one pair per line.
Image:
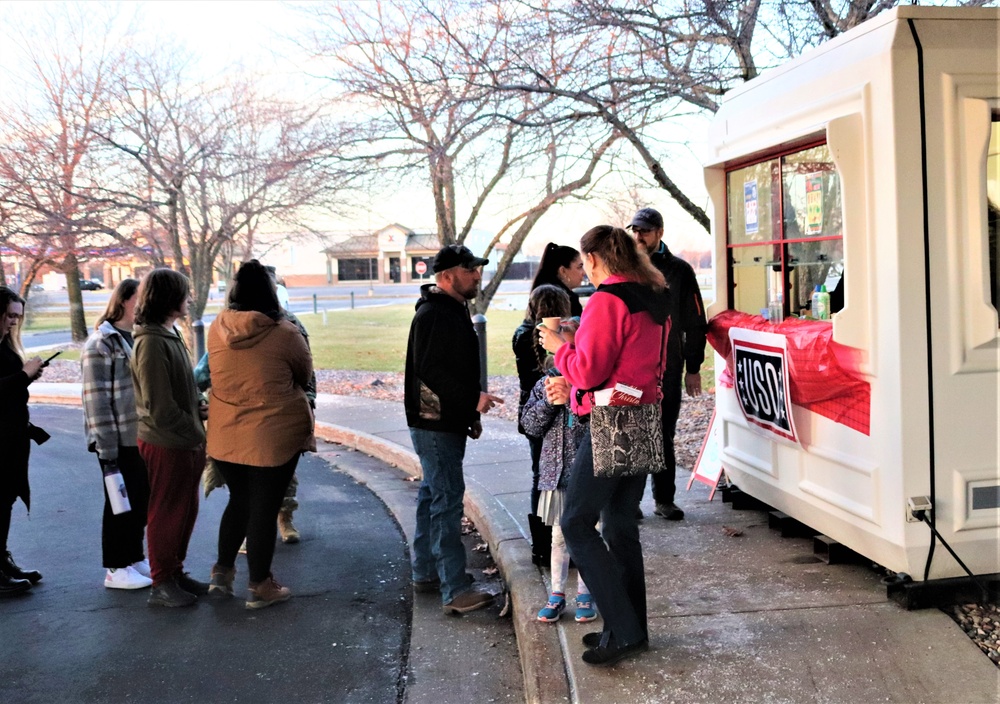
553,257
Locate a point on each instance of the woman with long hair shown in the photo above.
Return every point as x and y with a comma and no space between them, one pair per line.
16,374
112,426
561,266
171,434
261,422
620,340
545,301
559,272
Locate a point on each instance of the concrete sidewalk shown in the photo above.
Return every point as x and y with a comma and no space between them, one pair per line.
751,618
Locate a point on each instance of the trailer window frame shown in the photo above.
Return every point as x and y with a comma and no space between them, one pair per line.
769,241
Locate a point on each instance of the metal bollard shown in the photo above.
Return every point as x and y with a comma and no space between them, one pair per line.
479,323
198,329
352,300
324,316
315,305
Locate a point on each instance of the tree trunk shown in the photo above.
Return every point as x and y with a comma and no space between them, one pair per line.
77,320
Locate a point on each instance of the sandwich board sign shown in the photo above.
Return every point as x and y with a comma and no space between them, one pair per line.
708,467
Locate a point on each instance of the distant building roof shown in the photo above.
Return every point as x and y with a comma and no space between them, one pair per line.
357,245
423,241
386,239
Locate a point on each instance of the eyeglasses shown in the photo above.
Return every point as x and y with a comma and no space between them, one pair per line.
640,230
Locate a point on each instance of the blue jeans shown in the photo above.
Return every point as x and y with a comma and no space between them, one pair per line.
437,544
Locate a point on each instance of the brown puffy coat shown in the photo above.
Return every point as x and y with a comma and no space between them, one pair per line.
258,412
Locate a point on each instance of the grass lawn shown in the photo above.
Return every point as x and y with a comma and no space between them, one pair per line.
374,339
43,322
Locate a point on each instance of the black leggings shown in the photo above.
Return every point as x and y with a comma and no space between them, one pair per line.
121,535
6,506
16,452
255,496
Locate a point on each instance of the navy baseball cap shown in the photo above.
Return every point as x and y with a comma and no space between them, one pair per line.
457,255
647,219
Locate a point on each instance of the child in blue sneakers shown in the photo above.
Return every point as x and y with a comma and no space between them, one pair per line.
546,415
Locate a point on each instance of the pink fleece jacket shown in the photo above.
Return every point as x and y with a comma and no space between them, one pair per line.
612,346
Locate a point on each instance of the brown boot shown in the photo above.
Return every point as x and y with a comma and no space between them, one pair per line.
267,593
221,583
289,534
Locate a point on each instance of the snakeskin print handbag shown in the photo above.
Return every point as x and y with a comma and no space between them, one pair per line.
627,440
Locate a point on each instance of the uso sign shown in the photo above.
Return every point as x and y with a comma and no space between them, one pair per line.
760,365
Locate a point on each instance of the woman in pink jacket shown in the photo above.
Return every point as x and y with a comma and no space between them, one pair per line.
620,339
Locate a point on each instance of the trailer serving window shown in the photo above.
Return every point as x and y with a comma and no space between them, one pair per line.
785,231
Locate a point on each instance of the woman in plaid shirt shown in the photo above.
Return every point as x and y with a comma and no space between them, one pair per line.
111,424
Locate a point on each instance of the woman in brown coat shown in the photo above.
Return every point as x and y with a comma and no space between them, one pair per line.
260,422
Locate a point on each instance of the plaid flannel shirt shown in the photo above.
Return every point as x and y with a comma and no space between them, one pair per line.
109,413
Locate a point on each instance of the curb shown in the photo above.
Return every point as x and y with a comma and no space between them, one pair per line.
543,667
55,400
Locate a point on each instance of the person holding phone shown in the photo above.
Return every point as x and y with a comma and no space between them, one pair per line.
111,423
16,431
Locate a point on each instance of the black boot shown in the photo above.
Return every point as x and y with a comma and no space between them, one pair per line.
541,541
10,586
10,569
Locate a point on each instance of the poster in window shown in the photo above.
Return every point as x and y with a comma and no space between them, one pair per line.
814,204
750,209
762,383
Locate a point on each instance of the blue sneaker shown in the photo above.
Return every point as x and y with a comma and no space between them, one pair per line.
585,610
553,610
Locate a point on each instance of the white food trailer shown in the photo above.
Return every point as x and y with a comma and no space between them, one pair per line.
870,165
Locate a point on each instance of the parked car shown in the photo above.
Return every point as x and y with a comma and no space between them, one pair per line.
90,285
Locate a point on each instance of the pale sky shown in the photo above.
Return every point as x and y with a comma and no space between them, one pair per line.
253,33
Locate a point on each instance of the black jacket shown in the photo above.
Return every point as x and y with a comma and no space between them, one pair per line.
15,429
526,355
442,365
686,342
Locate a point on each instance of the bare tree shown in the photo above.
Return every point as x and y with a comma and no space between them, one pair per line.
202,168
647,61
46,145
418,74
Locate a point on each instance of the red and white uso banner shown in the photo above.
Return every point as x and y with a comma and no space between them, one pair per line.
761,371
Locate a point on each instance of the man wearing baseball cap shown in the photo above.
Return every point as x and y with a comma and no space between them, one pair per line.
443,401
685,346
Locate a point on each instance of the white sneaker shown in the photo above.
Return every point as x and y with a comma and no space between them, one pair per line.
142,568
126,578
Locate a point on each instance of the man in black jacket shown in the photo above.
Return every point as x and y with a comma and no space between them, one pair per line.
443,401
685,346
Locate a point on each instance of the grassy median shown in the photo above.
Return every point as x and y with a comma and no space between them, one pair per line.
374,339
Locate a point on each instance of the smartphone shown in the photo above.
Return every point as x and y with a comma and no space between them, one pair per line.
46,362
